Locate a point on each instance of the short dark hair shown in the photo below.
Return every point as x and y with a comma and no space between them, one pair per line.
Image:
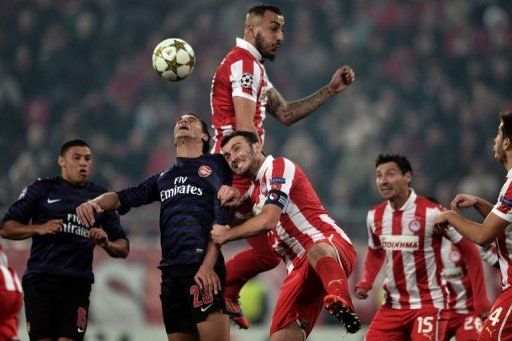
400,160
506,129
251,138
72,143
261,9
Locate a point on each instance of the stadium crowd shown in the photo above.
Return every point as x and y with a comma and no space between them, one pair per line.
431,76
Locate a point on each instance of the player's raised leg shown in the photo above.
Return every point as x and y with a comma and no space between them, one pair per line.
333,267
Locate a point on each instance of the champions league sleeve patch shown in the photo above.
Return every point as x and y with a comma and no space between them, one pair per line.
278,198
247,80
505,204
275,181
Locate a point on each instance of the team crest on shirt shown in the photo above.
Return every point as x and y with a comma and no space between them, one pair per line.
414,225
247,80
454,256
204,171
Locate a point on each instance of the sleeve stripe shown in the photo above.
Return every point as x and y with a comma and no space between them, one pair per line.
283,168
502,215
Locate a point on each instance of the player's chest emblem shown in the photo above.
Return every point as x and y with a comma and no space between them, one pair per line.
454,256
204,171
414,225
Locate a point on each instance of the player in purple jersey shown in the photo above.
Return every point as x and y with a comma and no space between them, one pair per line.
193,270
57,282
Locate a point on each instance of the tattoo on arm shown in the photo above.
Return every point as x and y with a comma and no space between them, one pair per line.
289,113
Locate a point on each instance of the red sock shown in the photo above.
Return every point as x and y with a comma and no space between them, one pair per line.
244,266
333,277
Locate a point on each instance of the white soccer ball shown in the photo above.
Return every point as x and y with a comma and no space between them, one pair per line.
173,59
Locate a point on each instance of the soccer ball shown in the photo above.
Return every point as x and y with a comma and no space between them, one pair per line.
173,59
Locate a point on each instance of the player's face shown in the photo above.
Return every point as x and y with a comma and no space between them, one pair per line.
240,155
188,126
390,181
76,164
269,34
499,152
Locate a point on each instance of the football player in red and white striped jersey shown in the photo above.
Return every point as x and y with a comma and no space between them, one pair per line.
318,254
495,228
10,299
240,98
467,300
401,232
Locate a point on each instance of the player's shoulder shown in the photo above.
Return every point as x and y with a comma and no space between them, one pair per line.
280,160
95,187
429,202
42,183
238,53
376,207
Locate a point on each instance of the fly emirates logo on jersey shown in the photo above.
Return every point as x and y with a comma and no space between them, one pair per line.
73,225
180,187
399,242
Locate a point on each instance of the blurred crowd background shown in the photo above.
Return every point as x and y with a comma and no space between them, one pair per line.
431,79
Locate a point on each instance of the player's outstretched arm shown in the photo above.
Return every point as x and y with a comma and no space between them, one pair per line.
482,206
290,112
206,277
245,110
105,202
15,230
262,223
118,248
481,234
372,264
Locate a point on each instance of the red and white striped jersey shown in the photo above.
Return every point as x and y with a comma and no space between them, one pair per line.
242,74
303,221
455,273
503,209
8,279
413,252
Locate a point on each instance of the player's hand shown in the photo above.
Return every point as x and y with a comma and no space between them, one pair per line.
341,79
99,236
85,212
463,201
361,293
441,222
207,280
220,234
442,218
50,227
228,196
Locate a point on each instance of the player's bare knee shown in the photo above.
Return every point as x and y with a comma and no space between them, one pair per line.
320,250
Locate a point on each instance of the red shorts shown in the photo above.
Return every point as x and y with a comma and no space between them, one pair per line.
302,293
10,306
498,325
389,324
464,326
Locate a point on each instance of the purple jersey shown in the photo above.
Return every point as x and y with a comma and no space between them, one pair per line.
189,207
69,252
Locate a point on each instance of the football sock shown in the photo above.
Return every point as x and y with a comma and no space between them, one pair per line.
333,277
244,266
